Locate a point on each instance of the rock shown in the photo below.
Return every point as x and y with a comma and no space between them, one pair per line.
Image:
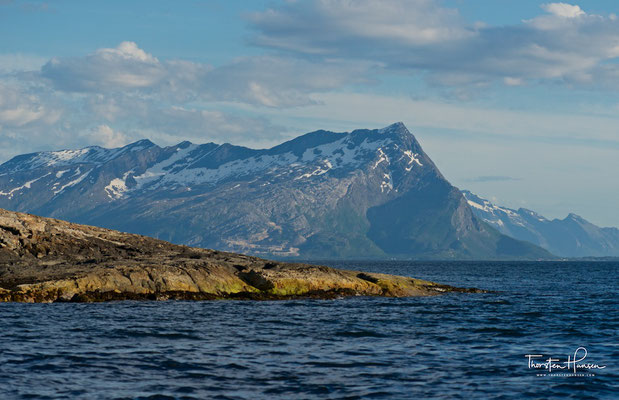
48,260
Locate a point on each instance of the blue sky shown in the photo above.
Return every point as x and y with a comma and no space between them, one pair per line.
515,100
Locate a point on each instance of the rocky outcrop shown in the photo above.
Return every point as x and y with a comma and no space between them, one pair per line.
48,260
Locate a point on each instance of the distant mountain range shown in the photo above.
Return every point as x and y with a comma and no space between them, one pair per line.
570,237
360,194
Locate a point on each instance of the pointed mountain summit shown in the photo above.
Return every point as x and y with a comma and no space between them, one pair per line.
360,194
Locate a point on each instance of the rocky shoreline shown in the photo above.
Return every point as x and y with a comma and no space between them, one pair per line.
45,260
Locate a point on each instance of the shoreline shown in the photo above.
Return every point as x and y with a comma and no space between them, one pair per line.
48,260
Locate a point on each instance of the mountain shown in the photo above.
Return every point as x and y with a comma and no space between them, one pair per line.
360,194
47,260
570,237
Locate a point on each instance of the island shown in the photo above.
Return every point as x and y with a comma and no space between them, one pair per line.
44,260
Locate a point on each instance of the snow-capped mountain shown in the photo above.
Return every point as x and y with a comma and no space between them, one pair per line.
570,237
366,193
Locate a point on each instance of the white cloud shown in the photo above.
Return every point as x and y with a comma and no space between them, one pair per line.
261,80
19,62
565,46
105,136
316,27
203,125
35,116
121,68
19,108
30,118
281,82
563,10
127,51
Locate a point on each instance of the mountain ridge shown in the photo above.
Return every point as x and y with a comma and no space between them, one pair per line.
368,193
572,236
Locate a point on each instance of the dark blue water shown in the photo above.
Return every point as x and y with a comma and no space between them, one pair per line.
452,346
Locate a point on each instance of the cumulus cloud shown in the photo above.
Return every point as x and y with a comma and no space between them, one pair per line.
50,121
564,45
124,67
118,95
105,136
261,80
124,93
563,10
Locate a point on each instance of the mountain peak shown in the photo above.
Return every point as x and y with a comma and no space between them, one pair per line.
184,144
576,218
397,127
399,133
140,145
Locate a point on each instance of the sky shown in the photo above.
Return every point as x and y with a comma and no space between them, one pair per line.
517,101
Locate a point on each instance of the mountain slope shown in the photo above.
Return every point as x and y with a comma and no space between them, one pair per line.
570,237
367,193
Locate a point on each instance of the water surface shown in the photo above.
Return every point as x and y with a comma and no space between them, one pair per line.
451,346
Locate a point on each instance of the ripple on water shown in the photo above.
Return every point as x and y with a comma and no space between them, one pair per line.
452,346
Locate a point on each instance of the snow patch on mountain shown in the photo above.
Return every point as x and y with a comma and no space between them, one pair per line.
318,171
382,157
175,171
158,176
387,183
188,165
117,187
92,154
73,182
344,152
26,185
68,157
162,168
488,207
412,159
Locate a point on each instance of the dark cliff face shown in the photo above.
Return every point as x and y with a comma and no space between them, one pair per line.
572,236
367,193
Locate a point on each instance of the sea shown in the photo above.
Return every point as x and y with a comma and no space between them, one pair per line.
494,345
